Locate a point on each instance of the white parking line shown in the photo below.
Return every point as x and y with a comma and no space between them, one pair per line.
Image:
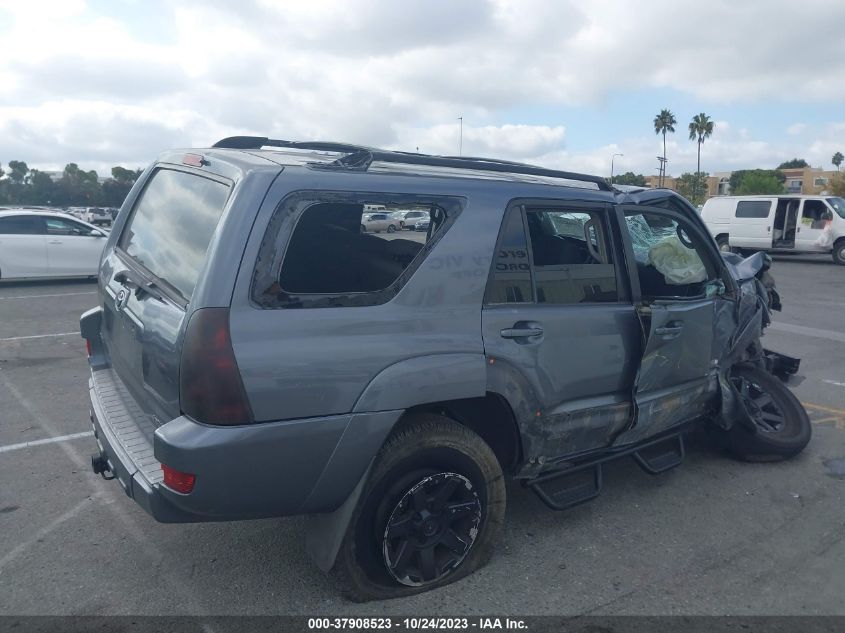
833,382
62,294
828,335
40,534
49,440
22,338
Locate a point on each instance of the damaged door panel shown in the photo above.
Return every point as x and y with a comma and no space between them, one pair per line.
675,281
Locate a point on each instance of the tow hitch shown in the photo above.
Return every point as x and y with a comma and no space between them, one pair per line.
100,466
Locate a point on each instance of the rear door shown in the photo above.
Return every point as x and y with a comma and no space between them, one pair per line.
71,249
676,278
558,318
23,248
751,226
150,278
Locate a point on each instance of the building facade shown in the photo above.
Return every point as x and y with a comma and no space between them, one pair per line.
804,180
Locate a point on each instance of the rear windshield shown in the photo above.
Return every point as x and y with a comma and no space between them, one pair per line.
172,224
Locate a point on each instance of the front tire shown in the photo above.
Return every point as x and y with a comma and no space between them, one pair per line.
391,229
430,513
782,427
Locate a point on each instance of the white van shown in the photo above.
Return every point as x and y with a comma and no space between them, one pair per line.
778,223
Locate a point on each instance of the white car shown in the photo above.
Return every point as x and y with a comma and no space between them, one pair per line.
97,216
378,222
43,244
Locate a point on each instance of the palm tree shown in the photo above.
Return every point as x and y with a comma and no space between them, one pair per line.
837,159
664,122
700,128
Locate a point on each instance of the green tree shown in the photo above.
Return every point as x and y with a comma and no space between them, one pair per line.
17,171
700,128
795,163
692,186
630,178
39,189
737,176
121,174
664,122
759,182
836,160
117,187
78,187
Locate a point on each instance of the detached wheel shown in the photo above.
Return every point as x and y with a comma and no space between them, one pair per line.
839,252
429,514
781,426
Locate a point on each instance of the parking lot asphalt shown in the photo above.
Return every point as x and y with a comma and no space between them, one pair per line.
712,537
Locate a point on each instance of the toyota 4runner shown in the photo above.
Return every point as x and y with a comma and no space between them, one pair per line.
255,354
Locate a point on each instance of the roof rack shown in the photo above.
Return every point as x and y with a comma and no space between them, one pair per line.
359,158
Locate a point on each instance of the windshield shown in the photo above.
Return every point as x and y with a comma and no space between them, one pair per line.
838,205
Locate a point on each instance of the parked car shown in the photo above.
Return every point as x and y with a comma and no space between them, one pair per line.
410,218
378,222
399,217
97,216
47,244
274,360
422,225
779,223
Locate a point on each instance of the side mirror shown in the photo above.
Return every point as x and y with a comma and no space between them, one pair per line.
96,233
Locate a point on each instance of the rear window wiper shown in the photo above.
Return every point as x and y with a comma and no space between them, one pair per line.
139,285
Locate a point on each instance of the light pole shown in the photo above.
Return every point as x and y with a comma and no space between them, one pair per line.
461,137
611,166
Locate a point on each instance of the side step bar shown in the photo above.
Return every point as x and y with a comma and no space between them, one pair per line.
563,489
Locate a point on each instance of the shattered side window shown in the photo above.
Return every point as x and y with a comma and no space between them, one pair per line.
670,262
340,253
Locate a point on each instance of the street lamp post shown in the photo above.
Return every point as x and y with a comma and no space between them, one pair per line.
612,158
461,137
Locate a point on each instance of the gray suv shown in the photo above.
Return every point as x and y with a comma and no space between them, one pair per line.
254,354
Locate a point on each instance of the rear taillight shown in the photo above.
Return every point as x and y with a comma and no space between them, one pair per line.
177,480
210,387
88,347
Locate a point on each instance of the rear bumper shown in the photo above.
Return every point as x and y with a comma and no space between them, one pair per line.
245,472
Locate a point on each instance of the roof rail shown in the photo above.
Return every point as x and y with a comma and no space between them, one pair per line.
359,158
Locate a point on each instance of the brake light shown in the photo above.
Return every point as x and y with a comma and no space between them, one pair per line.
88,347
210,387
177,480
194,160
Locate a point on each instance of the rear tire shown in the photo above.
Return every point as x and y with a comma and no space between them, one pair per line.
782,426
839,252
430,513
391,229
724,245
363,229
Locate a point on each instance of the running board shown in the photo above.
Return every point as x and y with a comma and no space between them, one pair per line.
661,457
565,488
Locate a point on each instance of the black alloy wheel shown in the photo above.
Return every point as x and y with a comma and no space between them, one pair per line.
431,529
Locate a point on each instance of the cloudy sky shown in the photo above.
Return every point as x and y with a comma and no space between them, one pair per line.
563,83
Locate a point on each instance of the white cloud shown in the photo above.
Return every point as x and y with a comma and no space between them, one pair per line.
395,74
796,129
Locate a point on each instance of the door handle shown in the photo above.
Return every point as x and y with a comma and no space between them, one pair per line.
521,331
673,328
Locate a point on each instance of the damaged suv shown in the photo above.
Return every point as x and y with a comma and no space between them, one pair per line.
255,354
